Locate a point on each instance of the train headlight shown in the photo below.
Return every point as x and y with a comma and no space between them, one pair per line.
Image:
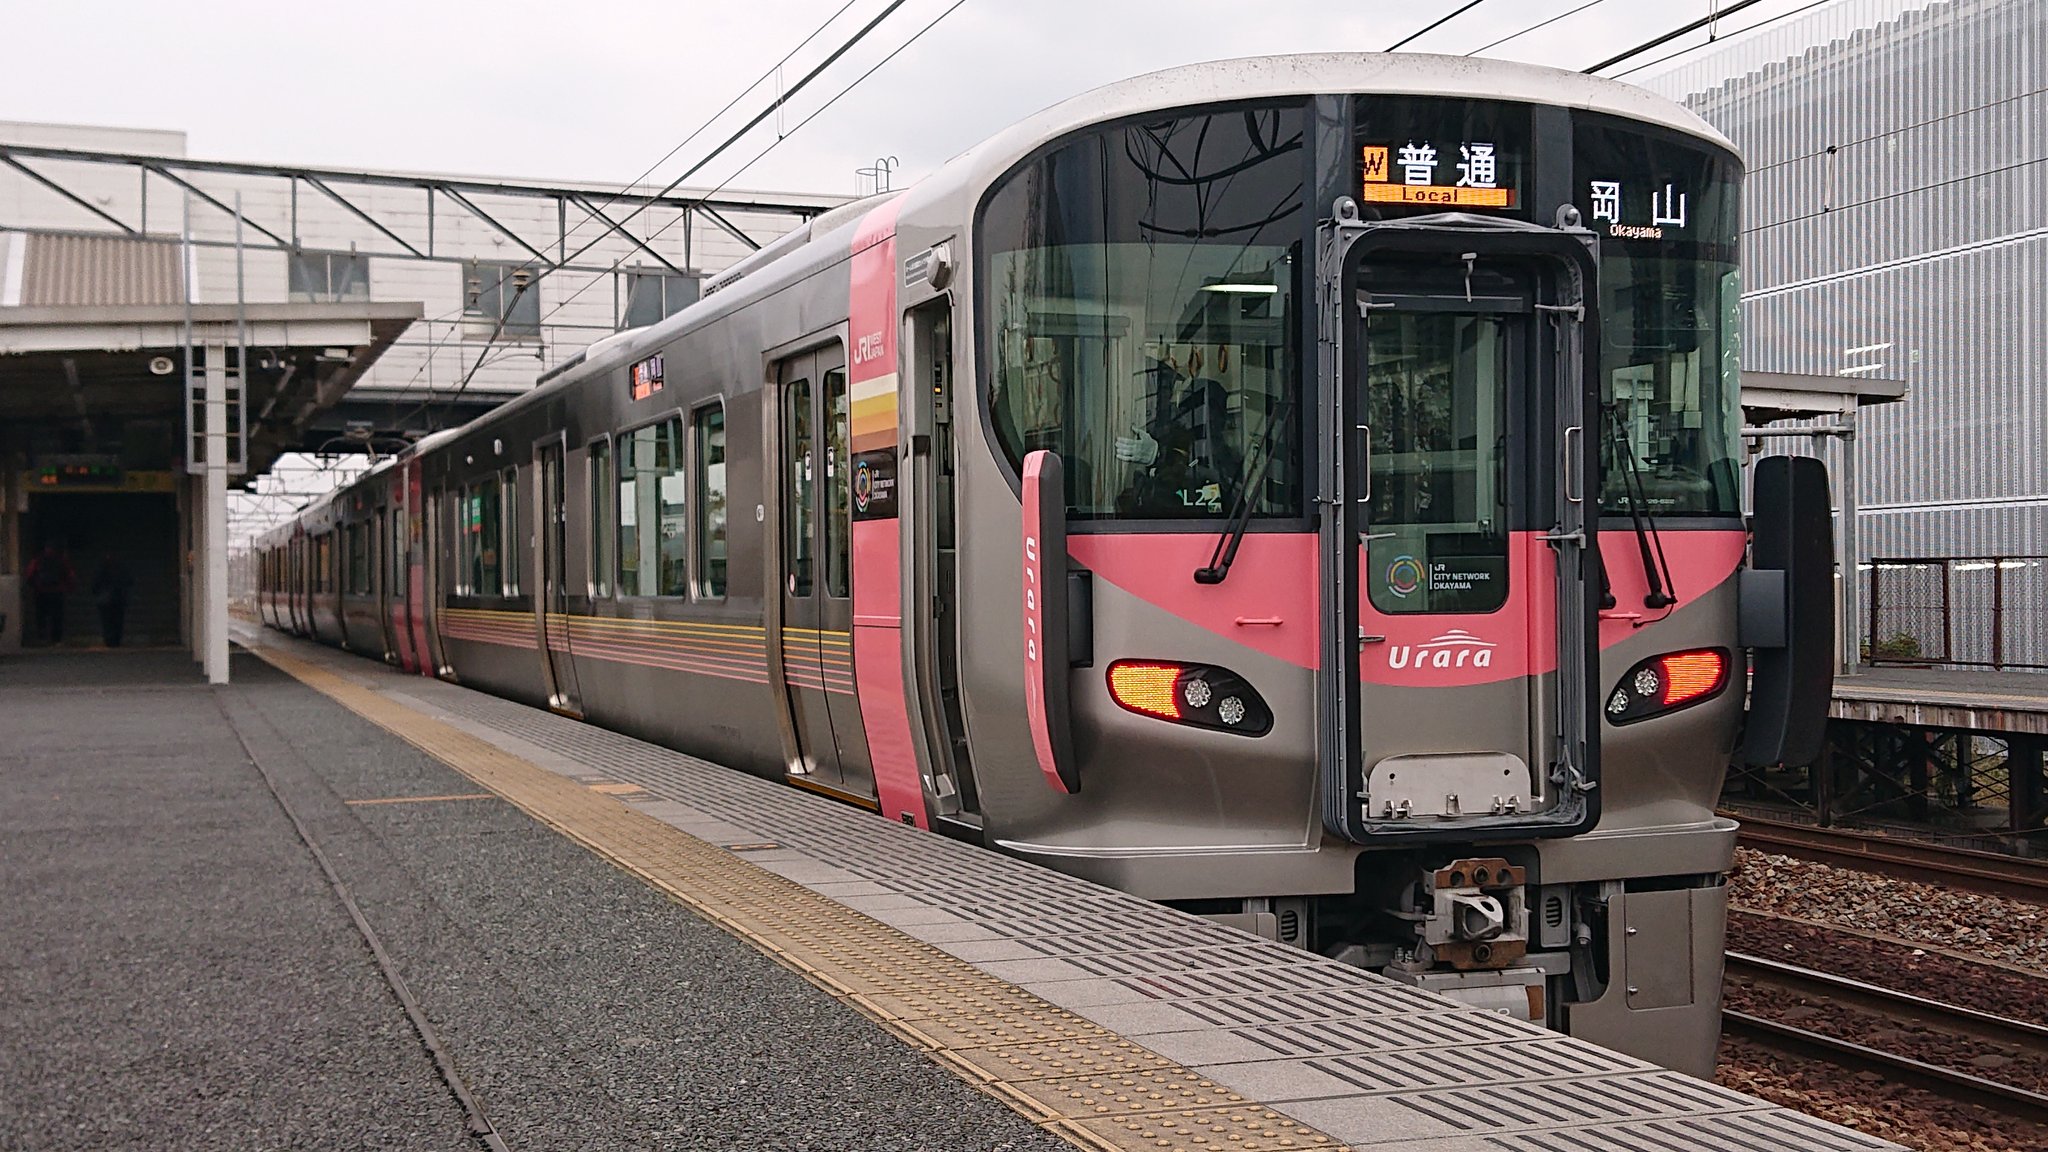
1198,695
1667,683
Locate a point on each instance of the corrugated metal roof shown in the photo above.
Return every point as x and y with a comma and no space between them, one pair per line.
86,271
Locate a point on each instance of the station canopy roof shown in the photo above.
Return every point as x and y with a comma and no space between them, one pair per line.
93,338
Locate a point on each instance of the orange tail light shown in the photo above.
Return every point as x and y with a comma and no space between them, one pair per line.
1146,687
1690,675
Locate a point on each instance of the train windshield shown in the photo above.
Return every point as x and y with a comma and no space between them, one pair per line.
1142,286
1670,315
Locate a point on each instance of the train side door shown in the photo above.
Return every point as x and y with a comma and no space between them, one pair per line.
438,531
381,584
551,602
816,649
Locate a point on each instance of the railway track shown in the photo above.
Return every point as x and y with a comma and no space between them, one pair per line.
2019,877
2005,1099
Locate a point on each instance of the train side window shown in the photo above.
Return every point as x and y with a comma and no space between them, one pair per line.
838,486
359,558
482,533
796,491
394,552
511,541
652,543
671,499
600,517
710,519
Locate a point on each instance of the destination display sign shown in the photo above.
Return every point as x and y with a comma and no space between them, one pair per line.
1424,154
1646,210
1419,173
646,378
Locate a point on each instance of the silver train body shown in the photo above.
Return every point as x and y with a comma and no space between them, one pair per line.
1298,488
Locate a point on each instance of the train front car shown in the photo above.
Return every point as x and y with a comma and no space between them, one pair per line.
1323,386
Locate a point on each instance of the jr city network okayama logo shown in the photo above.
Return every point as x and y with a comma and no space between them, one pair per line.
863,485
1404,576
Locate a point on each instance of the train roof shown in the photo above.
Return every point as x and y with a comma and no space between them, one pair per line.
1210,82
1337,73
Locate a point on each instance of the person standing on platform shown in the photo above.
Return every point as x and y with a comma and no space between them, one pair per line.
110,591
50,578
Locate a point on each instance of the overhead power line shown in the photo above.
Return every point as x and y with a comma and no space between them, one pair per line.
1674,34
1540,24
774,106
450,317
773,144
1412,38
1709,43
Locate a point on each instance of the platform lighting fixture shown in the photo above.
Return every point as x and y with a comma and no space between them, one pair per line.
1243,289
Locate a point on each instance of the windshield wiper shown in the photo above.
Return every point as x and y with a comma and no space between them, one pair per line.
1656,571
1225,552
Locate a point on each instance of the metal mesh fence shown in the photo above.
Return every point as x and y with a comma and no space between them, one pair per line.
1967,611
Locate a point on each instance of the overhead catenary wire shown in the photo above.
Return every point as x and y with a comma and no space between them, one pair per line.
1685,29
773,144
782,98
1712,41
451,317
1538,26
1438,23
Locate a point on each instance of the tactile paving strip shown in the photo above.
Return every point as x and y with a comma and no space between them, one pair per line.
1071,1076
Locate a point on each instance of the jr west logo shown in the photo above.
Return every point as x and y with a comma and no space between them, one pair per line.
1456,648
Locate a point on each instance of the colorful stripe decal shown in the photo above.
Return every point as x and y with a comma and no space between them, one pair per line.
824,659
877,541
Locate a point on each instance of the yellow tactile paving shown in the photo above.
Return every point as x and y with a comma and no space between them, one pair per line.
421,799
1069,1075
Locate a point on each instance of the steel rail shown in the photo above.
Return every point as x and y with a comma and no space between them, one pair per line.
2019,877
2022,1034
1959,1086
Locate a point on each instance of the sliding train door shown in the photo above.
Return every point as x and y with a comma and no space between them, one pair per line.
816,529
550,603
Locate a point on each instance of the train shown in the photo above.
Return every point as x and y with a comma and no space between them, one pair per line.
1308,490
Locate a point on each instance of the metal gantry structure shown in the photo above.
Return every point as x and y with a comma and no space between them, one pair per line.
415,234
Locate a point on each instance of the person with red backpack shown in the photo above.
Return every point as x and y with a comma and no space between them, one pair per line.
50,578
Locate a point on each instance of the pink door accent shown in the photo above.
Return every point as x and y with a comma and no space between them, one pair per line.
877,543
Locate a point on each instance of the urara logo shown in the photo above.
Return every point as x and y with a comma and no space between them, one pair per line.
1456,648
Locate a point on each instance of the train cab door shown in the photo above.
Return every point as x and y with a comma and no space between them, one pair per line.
933,520
814,506
551,604
1460,564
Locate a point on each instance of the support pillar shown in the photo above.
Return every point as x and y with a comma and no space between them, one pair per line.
193,561
2028,789
214,554
1849,552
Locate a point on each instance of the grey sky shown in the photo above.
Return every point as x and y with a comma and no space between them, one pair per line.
600,90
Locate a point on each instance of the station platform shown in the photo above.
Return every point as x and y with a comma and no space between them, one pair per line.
1978,700
614,944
